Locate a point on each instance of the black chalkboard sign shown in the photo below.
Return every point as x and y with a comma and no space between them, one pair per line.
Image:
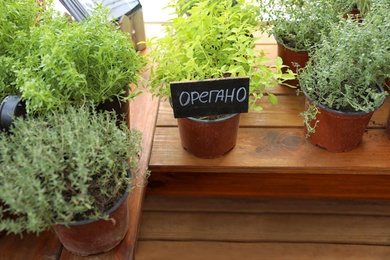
210,97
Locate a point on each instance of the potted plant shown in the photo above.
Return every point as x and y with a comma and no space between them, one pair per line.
62,63
343,81
69,170
214,41
297,25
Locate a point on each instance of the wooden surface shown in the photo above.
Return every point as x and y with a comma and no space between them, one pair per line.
275,196
214,228
272,158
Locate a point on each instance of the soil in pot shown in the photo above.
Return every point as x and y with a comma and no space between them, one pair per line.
294,59
337,131
209,138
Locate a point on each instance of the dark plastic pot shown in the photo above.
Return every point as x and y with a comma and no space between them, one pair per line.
121,109
10,107
294,59
338,131
90,237
209,138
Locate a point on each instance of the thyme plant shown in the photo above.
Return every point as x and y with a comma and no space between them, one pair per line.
64,167
299,24
346,68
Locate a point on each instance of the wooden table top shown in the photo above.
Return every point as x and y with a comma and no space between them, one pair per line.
272,158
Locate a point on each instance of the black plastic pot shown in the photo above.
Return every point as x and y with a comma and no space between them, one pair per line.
11,107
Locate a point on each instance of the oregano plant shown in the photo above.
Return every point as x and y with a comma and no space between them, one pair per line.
213,39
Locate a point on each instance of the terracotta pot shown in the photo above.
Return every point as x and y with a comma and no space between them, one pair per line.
294,59
354,14
209,139
338,131
96,236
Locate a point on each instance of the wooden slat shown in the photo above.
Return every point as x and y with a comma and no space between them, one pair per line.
267,205
258,228
30,246
285,114
270,150
267,227
195,250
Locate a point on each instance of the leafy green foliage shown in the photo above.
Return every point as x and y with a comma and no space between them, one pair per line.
299,24
64,166
65,63
214,40
16,17
348,63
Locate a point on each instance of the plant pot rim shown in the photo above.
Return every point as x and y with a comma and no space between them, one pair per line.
111,210
277,39
210,121
351,113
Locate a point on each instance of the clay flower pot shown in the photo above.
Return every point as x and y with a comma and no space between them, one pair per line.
294,59
338,131
209,138
90,237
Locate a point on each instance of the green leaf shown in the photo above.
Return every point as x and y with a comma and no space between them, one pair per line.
272,98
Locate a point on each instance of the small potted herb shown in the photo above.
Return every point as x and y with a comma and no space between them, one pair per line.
214,40
64,63
342,83
69,170
297,25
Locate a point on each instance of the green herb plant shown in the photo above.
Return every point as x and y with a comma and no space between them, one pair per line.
214,40
68,63
346,67
64,167
299,24
17,16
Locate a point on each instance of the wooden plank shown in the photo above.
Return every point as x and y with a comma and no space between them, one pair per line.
270,150
195,250
272,163
271,185
267,205
284,114
30,246
267,227
207,228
